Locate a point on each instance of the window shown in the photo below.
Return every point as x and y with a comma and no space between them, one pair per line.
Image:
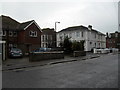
47,37
14,34
43,38
2,33
51,37
10,33
15,45
95,35
10,45
82,34
70,35
95,44
98,36
60,38
33,33
90,42
116,34
77,34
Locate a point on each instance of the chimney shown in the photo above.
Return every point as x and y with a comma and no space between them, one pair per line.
107,34
90,27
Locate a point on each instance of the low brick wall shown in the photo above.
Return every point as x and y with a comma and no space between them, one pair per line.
79,53
40,56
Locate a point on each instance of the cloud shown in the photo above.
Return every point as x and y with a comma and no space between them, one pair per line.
102,15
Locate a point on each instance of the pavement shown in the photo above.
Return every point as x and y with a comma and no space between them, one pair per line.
19,63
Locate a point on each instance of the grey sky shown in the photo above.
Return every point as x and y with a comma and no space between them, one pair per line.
103,16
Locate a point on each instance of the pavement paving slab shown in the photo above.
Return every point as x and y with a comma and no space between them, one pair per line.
19,63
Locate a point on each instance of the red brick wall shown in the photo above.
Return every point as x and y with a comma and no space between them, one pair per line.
27,43
110,43
33,40
21,37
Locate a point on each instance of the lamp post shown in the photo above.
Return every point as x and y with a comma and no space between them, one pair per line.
56,25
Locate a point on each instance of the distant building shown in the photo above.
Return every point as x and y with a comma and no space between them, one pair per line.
26,36
93,38
113,40
48,38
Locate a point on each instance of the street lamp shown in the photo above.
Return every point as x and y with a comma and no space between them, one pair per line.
55,25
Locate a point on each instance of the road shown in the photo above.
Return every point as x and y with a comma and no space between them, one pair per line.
99,72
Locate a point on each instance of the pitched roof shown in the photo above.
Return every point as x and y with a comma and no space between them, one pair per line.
48,29
25,24
98,32
9,23
74,28
78,28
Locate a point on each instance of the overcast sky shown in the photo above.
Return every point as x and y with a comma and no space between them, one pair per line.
103,16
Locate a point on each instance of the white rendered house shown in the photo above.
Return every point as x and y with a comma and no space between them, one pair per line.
93,38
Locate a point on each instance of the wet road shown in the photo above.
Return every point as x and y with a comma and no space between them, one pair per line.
99,72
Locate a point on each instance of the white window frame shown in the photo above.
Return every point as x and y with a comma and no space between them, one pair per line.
51,37
33,33
82,34
2,33
11,33
95,35
77,34
116,34
15,34
15,45
10,45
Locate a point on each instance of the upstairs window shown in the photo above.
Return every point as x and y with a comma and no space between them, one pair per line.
61,38
82,34
2,33
77,34
70,35
15,34
43,38
10,33
95,35
33,33
90,43
50,37
116,34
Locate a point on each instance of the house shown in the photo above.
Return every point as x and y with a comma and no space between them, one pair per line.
93,38
113,40
48,38
26,35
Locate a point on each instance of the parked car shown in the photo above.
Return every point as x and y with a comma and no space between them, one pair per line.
42,50
15,52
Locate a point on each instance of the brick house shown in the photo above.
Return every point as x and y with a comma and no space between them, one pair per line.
48,38
113,40
26,36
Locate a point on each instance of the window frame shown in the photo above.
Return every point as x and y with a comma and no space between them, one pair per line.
11,33
15,35
2,33
33,33
82,34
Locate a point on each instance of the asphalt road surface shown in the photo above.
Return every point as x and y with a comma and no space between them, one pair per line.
99,72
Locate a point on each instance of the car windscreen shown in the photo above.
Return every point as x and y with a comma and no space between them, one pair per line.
16,49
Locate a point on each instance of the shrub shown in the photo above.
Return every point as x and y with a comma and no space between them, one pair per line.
78,46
